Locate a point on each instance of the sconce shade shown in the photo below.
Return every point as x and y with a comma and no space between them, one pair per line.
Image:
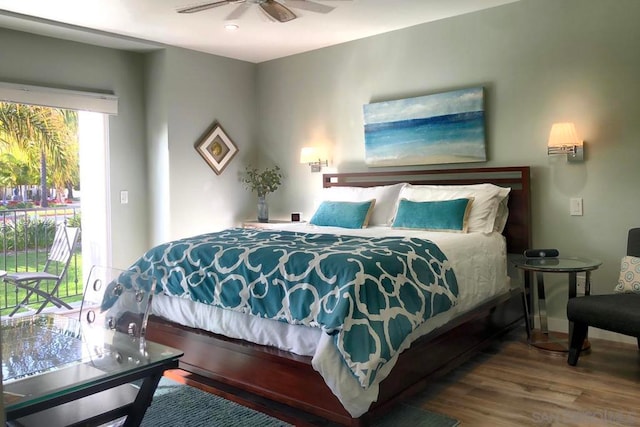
563,134
313,157
564,139
309,155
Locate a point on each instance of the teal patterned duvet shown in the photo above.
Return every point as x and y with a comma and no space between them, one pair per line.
368,293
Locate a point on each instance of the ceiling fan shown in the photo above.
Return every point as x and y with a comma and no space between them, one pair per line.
274,9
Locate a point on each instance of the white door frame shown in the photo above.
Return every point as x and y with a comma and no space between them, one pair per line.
94,190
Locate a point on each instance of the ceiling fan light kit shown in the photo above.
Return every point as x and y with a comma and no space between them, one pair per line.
272,8
277,11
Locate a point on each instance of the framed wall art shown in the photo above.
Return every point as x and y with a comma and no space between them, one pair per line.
216,148
441,128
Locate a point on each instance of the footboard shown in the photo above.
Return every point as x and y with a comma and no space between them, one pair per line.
264,371
253,371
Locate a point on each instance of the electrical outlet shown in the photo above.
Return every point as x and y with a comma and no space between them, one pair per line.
581,280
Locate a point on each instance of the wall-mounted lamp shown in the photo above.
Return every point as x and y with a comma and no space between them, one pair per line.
563,139
313,157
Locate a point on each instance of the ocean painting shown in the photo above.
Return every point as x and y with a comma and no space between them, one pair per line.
434,129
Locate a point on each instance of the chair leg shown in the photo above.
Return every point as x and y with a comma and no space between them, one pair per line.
55,301
638,338
49,297
24,301
525,309
35,289
578,334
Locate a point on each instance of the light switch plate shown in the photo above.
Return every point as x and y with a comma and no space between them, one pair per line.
124,197
575,206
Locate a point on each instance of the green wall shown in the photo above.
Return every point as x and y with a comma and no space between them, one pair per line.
540,61
186,93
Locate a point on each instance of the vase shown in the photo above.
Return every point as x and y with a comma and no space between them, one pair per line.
263,209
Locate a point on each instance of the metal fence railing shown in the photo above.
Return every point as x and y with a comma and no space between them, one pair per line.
26,235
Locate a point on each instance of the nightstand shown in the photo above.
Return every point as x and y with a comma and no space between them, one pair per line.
272,224
543,338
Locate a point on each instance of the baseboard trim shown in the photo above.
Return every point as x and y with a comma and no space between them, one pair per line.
562,325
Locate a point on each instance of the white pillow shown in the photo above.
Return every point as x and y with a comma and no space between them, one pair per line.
386,197
483,217
502,215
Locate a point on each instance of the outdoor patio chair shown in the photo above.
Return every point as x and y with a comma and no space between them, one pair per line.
55,269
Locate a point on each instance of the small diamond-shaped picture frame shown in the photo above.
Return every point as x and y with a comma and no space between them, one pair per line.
216,148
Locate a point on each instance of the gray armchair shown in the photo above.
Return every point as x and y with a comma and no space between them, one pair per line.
617,312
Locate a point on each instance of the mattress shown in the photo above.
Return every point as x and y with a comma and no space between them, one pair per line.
478,260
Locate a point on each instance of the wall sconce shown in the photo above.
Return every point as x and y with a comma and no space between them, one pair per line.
313,157
563,139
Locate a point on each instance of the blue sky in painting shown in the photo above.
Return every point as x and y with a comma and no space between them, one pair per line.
439,104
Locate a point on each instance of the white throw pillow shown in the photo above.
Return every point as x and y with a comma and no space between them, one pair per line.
502,215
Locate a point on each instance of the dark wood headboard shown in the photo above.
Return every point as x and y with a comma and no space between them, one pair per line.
518,228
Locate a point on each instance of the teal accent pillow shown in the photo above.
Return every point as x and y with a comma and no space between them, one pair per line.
441,215
343,214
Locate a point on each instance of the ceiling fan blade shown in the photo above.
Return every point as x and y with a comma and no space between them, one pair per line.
202,6
310,6
277,11
238,11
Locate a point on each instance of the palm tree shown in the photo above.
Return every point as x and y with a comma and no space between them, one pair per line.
47,136
15,171
70,175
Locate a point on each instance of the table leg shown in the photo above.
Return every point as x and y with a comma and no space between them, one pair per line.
587,292
526,303
573,291
542,304
143,400
573,284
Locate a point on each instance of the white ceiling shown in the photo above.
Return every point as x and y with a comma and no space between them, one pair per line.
143,24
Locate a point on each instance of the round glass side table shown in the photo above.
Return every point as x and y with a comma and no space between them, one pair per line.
536,267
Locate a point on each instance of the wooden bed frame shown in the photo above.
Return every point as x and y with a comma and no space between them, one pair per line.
266,378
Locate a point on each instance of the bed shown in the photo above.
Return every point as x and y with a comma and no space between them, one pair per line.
267,363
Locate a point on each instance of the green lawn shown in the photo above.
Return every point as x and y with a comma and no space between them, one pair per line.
70,289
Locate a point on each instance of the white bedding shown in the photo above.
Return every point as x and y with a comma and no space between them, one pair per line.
478,260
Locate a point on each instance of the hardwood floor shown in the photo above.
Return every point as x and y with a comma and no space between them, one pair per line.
512,383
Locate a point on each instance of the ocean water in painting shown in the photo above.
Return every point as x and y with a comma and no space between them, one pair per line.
454,136
442,128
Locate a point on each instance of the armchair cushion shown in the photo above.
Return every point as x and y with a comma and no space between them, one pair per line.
614,312
629,280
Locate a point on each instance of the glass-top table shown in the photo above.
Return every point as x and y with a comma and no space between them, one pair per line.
557,264
47,361
538,266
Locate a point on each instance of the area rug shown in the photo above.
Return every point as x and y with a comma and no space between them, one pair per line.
179,405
